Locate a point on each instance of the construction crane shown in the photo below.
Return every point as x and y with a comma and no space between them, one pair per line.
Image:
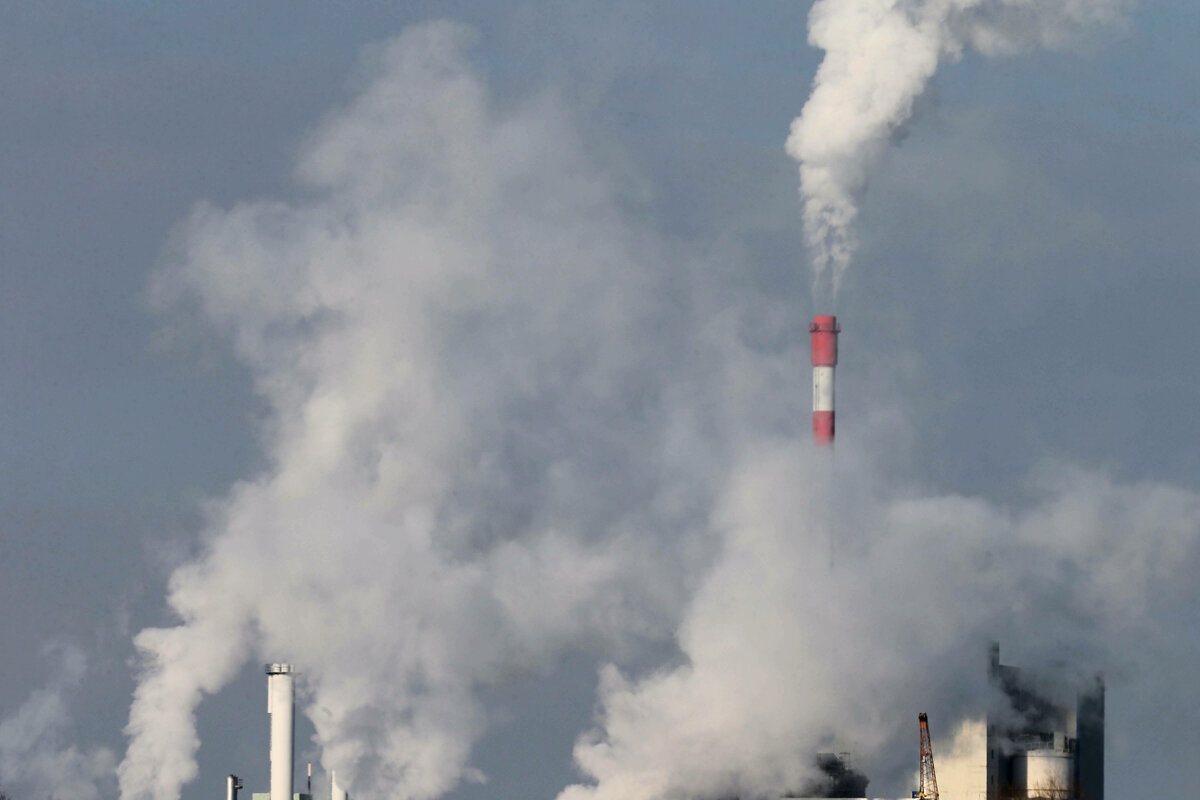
928,789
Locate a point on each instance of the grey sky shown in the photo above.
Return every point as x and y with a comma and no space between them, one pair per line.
1025,293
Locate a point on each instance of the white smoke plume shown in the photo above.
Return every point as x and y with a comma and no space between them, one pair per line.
35,758
467,357
504,422
879,57
786,654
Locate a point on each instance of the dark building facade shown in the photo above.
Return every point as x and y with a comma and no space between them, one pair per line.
1046,748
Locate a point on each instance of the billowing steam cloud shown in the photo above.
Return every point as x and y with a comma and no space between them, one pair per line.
468,359
35,757
879,57
787,653
503,422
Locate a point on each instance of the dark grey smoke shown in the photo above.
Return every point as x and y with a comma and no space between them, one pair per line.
838,778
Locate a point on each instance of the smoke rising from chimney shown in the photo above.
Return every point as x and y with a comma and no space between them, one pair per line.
504,422
879,57
468,358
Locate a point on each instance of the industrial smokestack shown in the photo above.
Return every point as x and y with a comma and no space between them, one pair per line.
232,784
824,330
280,706
336,792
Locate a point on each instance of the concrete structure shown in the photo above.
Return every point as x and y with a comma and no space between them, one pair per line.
1045,770
824,330
1043,739
281,708
336,792
1049,748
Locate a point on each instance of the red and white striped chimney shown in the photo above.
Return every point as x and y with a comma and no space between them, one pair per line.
824,330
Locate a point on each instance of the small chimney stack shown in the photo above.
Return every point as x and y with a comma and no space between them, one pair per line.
824,330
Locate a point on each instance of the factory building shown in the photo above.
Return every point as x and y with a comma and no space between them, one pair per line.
1044,740
1042,737
1049,747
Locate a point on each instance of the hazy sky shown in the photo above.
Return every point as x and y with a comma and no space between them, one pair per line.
1019,324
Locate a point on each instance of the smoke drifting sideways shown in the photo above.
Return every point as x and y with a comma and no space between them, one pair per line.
35,758
505,422
786,655
879,57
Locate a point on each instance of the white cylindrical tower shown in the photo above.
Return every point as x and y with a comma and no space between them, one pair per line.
281,707
1046,773
336,792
